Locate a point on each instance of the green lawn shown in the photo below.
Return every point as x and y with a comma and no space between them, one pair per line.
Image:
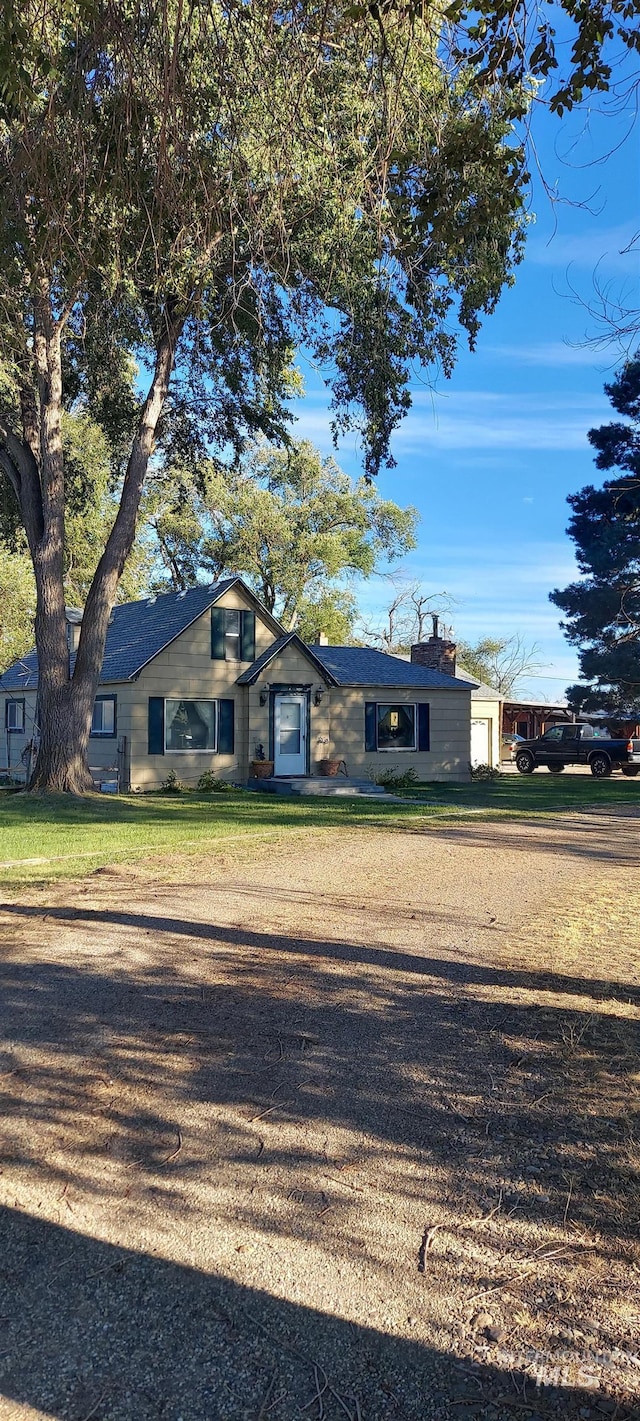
533,794
52,837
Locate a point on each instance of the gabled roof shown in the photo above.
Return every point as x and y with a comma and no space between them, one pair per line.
364,666
291,639
137,632
481,690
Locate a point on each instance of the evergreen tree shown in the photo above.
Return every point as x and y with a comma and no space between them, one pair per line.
603,609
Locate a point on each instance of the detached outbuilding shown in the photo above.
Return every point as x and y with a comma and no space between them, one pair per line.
208,680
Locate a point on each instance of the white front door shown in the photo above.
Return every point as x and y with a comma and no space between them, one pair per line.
290,733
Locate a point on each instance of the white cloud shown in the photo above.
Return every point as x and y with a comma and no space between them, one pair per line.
554,353
480,420
473,420
605,248
496,593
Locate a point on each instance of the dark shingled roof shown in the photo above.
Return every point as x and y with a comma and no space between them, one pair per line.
364,666
251,674
138,631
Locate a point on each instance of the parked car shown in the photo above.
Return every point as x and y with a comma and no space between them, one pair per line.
510,743
579,745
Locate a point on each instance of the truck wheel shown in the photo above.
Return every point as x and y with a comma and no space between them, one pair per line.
556,769
631,770
600,766
525,762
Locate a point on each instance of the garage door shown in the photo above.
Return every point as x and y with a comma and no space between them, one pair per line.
480,742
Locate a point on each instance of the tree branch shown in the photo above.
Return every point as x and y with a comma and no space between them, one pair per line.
102,593
24,476
6,463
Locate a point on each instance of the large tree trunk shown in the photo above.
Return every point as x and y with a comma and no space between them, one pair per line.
35,467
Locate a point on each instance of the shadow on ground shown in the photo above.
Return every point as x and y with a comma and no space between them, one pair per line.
110,1331
318,1075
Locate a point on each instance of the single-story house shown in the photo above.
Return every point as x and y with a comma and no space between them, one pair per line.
208,680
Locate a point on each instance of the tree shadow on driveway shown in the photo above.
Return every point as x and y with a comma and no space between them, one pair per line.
93,1330
267,1105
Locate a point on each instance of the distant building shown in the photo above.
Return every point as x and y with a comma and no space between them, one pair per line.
531,718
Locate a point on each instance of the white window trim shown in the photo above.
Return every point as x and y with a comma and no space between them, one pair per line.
398,749
16,729
104,734
211,700
233,636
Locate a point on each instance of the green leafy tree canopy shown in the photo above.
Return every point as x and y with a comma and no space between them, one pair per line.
203,188
17,605
294,525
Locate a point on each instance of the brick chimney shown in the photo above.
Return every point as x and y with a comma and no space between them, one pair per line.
438,653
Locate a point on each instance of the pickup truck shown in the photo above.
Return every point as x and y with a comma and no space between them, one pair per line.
579,745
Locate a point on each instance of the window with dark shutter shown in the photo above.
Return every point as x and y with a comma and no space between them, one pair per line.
423,727
247,636
226,736
218,627
155,739
370,725
396,727
233,634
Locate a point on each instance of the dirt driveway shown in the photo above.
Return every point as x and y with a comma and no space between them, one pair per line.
338,1128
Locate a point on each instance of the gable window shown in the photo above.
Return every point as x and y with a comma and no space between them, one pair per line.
233,634
191,725
103,720
14,717
396,727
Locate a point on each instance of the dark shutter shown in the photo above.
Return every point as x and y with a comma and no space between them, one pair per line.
423,727
226,740
247,636
218,628
156,726
370,725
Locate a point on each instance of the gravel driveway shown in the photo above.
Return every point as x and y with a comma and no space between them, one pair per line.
341,1127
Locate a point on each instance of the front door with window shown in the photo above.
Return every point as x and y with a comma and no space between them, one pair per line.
290,733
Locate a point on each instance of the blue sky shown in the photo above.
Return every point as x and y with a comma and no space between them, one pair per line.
489,457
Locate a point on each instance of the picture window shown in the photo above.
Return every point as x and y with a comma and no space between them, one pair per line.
191,725
396,727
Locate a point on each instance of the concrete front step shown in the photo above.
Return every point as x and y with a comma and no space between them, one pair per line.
318,784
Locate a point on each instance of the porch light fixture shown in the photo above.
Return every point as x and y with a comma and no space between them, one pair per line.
264,693
319,692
